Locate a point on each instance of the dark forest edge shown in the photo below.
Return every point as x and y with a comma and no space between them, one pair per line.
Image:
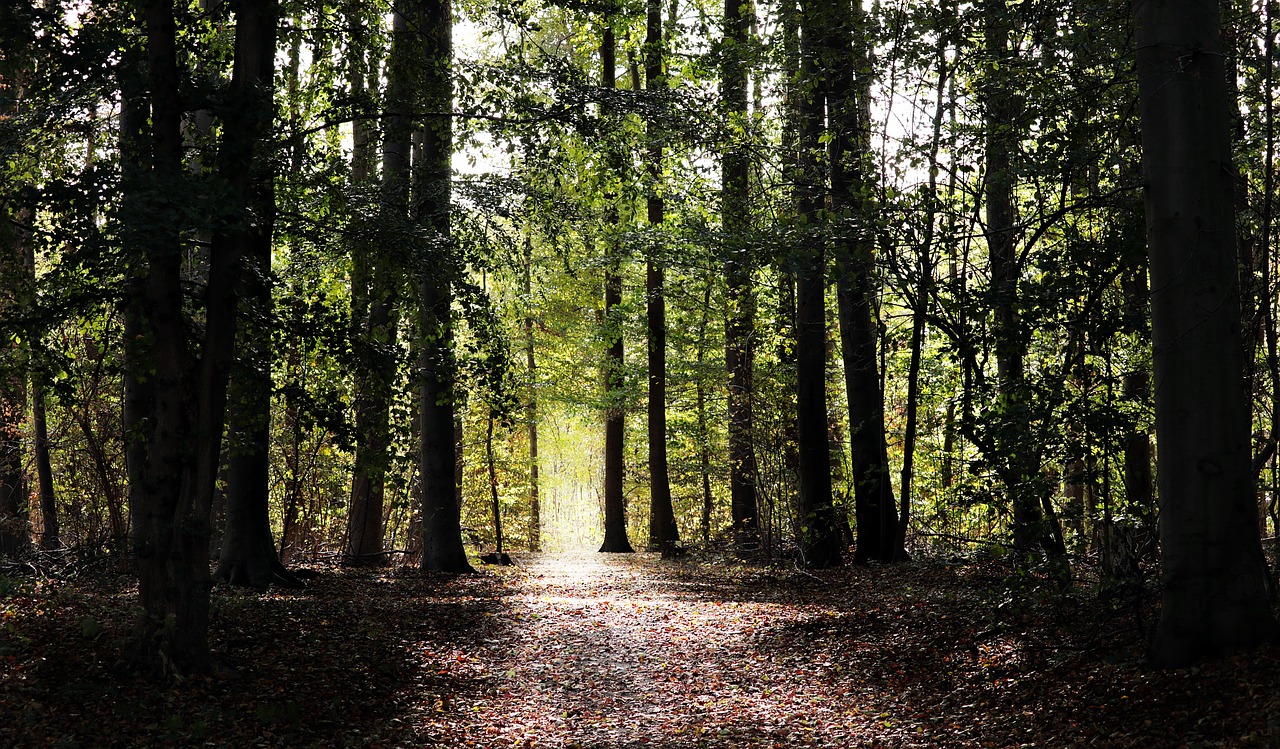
296,280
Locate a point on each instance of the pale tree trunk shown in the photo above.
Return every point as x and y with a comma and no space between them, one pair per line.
615,508
738,266
663,533
1214,582
442,548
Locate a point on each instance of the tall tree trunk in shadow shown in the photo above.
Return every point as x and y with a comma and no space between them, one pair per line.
663,533
442,548
375,290
248,556
819,533
738,266
1016,457
848,88
1214,598
177,428
615,508
531,405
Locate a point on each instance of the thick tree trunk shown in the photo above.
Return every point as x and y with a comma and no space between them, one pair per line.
819,534
15,535
375,291
248,555
442,548
740,296
852,185
663,533
1214,592
615,508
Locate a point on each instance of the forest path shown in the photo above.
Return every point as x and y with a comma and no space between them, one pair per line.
619,651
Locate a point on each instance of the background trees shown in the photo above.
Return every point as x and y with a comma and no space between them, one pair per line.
912,284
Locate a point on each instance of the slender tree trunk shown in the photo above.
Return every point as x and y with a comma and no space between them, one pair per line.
50,536
1214,597
493,483
1016,456
704,430
442,548
531,406
738,267
663,533
819,534
615,508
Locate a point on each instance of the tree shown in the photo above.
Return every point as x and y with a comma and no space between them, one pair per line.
739,296
615,510
663,533
848,89
375,290
178,395
819,533
442,548
1214,593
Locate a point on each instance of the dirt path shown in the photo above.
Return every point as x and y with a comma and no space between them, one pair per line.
607,652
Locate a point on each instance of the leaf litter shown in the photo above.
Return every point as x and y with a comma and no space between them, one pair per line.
627,651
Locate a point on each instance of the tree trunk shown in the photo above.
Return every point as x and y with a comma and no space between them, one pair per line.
1016,457
492,465
1214,595
704,431
442,548
819,534
49,536
852,185
15,535
375,292
615,508
531,406
248,556
663,533
180,429
740,297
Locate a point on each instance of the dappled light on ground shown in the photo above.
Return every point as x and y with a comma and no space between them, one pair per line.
602,651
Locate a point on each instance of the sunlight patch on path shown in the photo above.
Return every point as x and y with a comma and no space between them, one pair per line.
614,652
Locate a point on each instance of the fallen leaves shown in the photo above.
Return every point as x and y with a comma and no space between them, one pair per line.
611,652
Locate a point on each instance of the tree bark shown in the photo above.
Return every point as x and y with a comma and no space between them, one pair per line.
248,556
442,548
180,429
531,406
375,291
1214,592
663,533
740,296
848,88
819,534
615,508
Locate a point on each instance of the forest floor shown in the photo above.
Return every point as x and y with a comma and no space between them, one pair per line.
623,652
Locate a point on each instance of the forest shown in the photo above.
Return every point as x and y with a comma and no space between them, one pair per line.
619,373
